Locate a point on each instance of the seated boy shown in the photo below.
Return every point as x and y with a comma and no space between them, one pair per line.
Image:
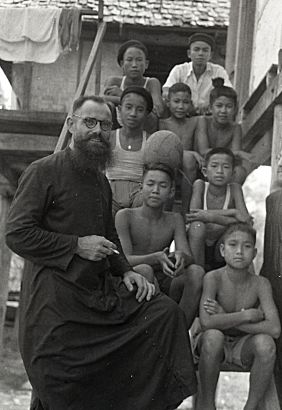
221,130
128,143
179,104
146,234
215,204
238,318
133,59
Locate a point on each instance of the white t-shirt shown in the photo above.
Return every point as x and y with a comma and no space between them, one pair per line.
200,88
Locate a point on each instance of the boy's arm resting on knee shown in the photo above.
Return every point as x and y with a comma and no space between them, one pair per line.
156,92
112,91
236,143
181,242
201,136
222,320
270,324
242,214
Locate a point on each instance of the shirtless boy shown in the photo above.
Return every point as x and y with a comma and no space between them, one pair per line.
215,204
146,234
239,320
221,130
179,103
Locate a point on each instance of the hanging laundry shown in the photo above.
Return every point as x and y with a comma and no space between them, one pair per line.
69,29
8,98
30,34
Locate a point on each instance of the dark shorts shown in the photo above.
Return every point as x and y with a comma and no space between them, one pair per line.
164,281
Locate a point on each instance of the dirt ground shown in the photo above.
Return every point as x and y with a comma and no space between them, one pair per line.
14,387
15,390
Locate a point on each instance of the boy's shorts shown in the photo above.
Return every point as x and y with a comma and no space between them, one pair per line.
126,194
164,281
232,348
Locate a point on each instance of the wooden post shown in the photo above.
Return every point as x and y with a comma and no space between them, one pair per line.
27,86
5,258
231,38
244,50
276,144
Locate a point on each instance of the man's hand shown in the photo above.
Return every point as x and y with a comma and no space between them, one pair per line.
145,289
212,307
94,247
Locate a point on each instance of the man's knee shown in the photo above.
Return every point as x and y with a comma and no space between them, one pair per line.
212,343
264,347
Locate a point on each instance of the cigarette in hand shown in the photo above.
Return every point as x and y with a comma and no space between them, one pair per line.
115,251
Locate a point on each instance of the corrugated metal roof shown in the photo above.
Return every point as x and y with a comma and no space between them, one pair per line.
163,13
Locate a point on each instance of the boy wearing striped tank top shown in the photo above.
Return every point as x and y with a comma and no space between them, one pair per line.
128,143
133,59
215,204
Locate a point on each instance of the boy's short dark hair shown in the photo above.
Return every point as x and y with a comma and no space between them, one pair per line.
159,166
129,44
221,90
201,37
240,227
220,150
179,87
135,89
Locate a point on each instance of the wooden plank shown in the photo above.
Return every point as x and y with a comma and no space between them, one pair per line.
27,86
232,38
5,257
259,119
62,142
19,143
35,122
244,48
276,145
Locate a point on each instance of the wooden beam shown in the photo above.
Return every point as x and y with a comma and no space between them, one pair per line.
27,80
244,48
64,136
20,143
231,38
35,122
5,257
276,145
259,119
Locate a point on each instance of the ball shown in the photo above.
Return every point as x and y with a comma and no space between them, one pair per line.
164,147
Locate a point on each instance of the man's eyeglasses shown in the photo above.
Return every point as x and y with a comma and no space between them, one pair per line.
91,123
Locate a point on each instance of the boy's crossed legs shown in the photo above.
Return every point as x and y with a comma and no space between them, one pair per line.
257,352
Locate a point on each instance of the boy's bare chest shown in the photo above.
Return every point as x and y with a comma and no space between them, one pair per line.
234,298
150,236
220,137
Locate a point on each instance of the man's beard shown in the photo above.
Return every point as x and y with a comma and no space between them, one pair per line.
92,156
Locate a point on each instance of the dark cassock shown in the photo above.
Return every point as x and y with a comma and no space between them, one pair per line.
272,268
85,340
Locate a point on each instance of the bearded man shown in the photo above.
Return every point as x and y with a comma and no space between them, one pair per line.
93,333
